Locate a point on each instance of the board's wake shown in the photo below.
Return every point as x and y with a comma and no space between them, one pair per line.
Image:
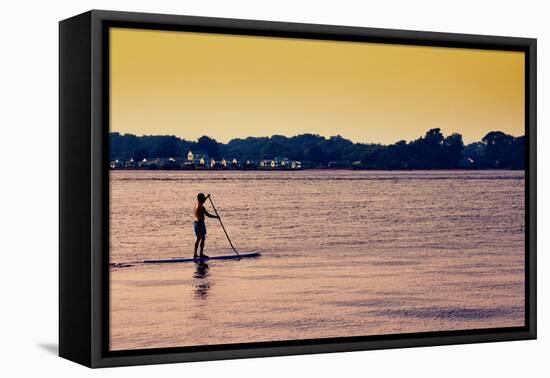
190,259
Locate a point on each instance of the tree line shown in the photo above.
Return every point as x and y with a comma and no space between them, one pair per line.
496,150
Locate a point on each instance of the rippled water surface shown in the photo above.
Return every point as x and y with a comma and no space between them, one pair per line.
345,253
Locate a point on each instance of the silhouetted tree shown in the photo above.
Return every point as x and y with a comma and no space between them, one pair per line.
432,151
497,149
167,147
517,156
426,151
315,154
140,154
452,150
474,151
209,145
272,149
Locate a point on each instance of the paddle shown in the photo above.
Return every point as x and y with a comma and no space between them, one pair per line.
220,219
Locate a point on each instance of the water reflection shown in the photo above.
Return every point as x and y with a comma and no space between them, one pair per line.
202,287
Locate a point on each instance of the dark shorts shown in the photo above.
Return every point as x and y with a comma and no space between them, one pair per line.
200,228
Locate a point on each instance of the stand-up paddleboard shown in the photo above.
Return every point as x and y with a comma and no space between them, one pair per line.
190,259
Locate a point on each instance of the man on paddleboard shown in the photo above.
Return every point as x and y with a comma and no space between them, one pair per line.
199,225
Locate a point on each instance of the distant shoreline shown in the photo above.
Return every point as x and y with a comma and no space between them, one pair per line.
434,150
317,169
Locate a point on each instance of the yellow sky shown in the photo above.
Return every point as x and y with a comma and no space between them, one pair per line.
223,86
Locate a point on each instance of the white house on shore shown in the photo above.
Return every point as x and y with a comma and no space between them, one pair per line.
278,162
200,160
197,158
115,164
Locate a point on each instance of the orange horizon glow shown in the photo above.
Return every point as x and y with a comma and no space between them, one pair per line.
226,86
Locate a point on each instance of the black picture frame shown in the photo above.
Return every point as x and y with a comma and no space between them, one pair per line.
84,187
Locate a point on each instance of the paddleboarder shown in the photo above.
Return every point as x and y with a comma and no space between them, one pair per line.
200,226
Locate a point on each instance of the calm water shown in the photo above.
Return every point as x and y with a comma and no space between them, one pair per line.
344,254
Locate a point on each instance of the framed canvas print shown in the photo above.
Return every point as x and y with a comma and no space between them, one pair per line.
234,188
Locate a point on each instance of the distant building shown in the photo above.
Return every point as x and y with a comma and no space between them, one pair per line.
196,156
171,163
277,163
249,164
196,159
130,164
280,162
199,160
153,163
115,164
235,163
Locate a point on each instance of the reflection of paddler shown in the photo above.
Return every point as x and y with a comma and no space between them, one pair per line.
202,287
200,226
201,270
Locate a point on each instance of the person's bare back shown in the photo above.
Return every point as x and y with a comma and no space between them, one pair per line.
199,212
